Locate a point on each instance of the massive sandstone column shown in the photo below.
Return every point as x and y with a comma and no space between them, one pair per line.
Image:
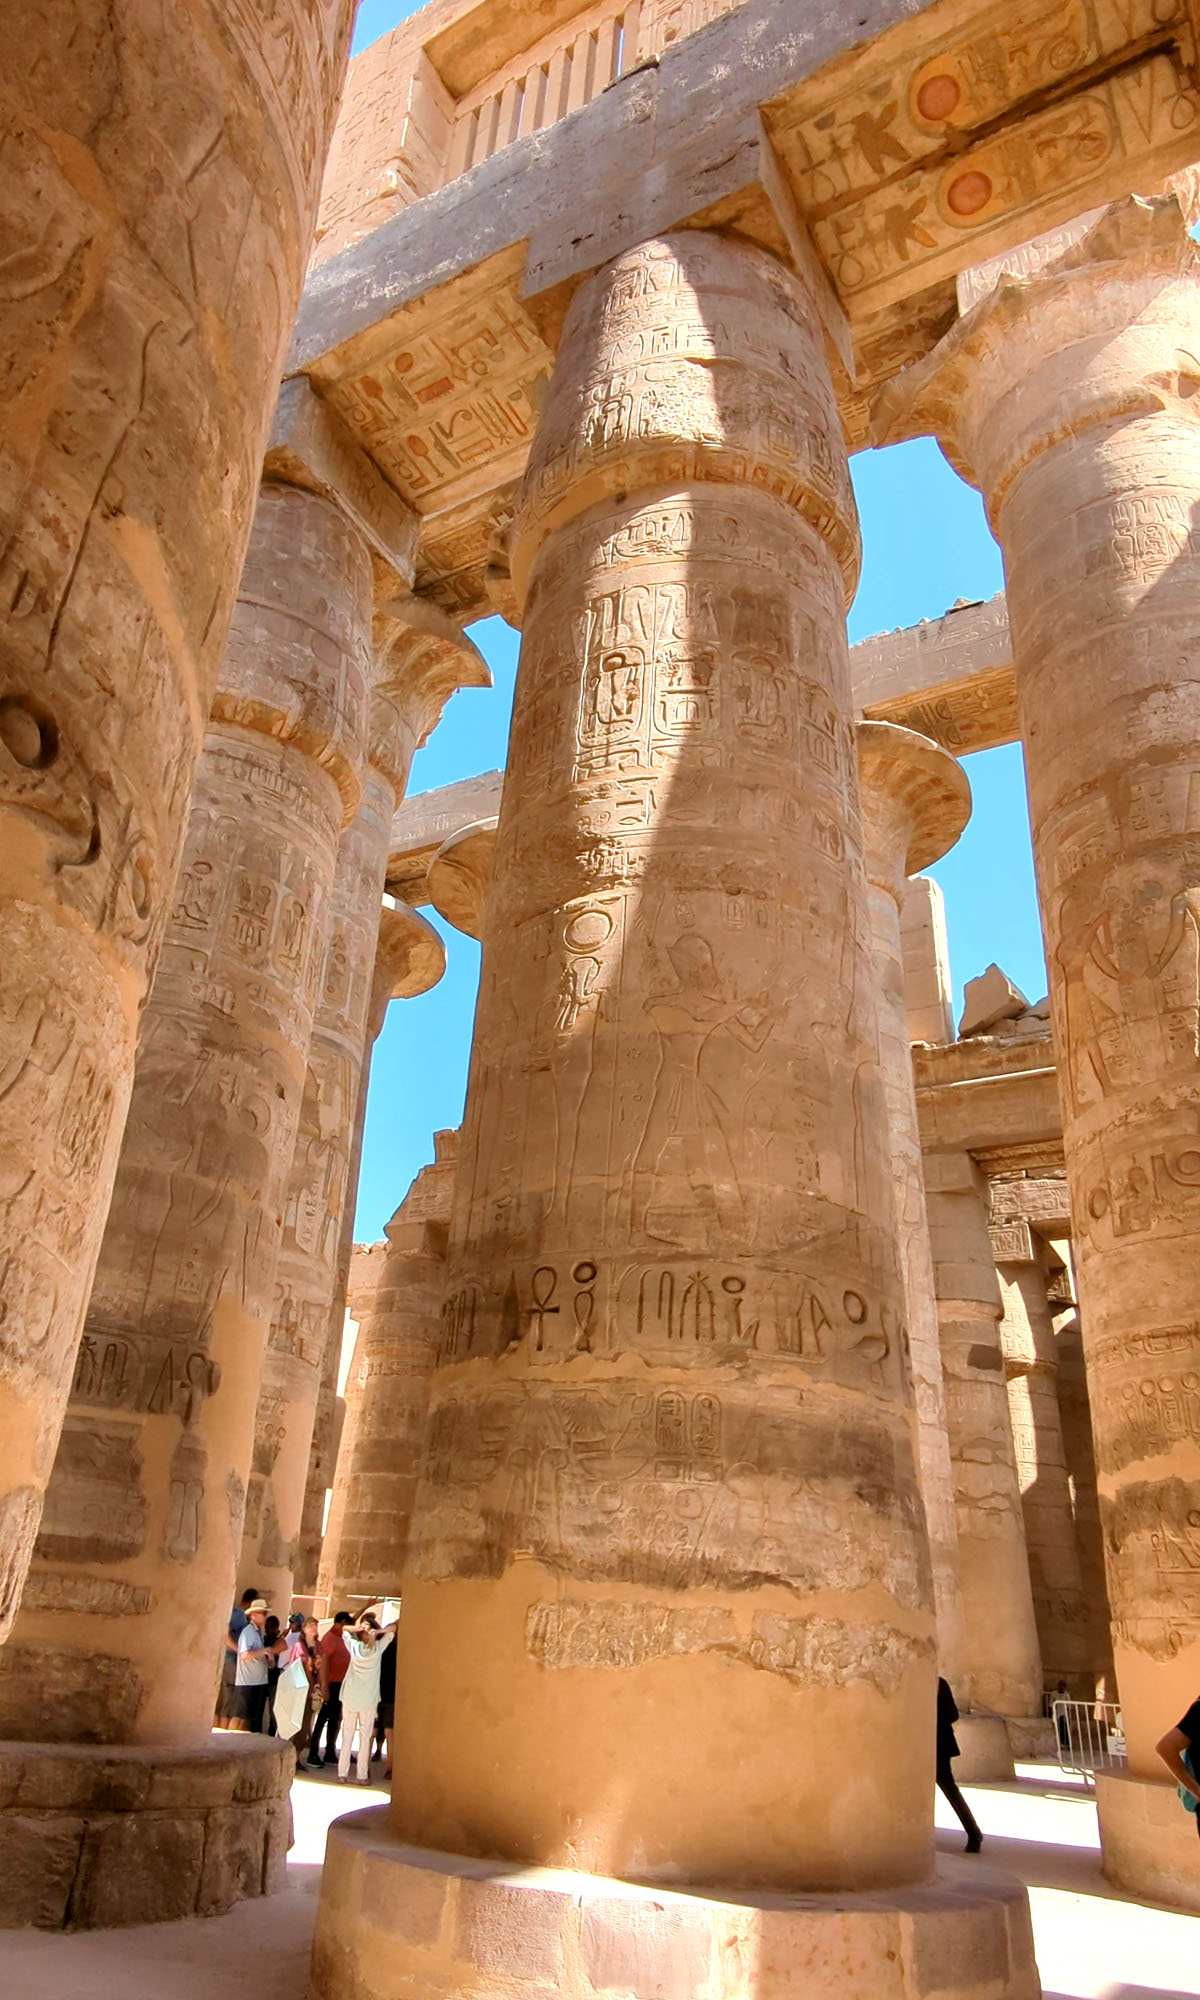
417,668
667,1610
121,1625
915,803
1070,397
1027,1341
1002,1663
161,170
379,1459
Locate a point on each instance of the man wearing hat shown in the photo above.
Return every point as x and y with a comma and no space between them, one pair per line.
250,1679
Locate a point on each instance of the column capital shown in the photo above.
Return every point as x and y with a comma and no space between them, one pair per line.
690,358
410,959
1099,328
309,446
421,658
916,800
460,875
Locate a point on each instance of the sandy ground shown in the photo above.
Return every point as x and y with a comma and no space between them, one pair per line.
1092,1944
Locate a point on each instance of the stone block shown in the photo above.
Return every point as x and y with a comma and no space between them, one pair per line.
143,1868
1148,1841
196,1782
82,1778
39,1859
280,1837
989,999
985,1752
266,1772
654,1950
405,1903
235,1848
817,1948
513,1928
961,1950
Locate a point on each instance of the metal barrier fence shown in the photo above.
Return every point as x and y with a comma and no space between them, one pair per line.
1091,1737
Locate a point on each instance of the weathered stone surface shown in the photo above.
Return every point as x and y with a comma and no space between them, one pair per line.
92,1838
1067,396
988,1000
460,874
1148,1844
915,803
394,1919
181,1307
663,1228
387,1397
136,385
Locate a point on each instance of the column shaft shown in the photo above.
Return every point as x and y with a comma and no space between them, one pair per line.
159,194
1002,1659
671,1466
120,1634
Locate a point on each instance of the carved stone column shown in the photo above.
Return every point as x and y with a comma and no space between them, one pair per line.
915,803
306,1280
1003,1668
1069,397
160,183
120,1632
1030,1352
1080,1451
928,986
366,1541
667,1561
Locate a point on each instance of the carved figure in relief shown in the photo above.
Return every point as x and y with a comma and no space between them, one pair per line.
685,1174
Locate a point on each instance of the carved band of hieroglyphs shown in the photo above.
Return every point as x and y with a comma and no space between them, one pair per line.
136,1371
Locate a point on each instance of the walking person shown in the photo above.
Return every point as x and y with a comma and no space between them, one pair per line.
250,1676
360,1693
947,1747
332,1662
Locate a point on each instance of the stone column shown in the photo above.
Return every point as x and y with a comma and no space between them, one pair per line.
133,405
667,1609
366,1541
1003,1669
1069,397
1030,1351
915,803
1080,1452
315,1199
120,1633
928,986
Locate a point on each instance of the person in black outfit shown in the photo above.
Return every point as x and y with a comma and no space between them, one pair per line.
1184,1737
947,1747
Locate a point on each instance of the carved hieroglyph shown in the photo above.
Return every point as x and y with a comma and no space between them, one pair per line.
915,803
143,1519
387,1397
1002,1662
1071,396
671,1473
158,178
417,667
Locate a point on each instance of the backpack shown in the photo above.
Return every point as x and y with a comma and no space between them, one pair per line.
1190,1803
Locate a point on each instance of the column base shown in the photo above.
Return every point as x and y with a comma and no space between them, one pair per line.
984,1751
93,1836
1148,1842
1032,1737
402,1923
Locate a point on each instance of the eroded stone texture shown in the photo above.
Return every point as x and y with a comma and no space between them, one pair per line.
1075,1414
144,1511
1069,396
1027,1341
387,1397
672,1375
915,803
160,175
1003,1668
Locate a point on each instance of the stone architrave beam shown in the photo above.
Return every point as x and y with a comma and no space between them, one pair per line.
310,446
987,1093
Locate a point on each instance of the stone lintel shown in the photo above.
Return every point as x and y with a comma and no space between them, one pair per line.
950,678
424,823
1012,1243
1031,1200
986,1093
393,1917
310,446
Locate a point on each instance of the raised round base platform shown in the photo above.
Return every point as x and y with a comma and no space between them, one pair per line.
1149,1845
400,1923
93,1837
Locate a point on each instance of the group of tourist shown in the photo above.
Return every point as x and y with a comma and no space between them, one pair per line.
274,1678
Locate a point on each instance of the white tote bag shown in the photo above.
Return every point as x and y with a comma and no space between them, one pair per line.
291,1698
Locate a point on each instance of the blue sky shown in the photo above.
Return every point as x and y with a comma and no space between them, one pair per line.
925,543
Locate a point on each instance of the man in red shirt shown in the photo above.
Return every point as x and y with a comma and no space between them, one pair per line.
333,1658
